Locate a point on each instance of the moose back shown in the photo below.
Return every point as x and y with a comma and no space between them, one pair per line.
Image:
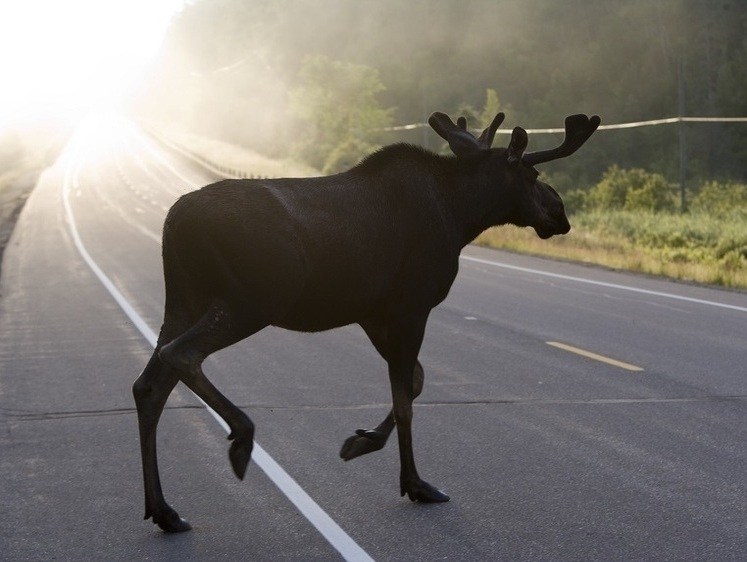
377,245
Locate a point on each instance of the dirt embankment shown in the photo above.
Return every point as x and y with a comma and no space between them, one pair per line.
12,199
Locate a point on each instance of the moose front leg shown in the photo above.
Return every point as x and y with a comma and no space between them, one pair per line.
369,440
405,338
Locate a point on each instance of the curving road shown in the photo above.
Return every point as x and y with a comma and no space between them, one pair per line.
571,413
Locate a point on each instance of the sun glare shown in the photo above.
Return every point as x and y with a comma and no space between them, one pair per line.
60,58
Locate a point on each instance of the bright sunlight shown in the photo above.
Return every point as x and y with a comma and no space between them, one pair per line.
60,58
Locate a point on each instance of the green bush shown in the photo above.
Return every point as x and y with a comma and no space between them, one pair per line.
574,200
632,190
721,198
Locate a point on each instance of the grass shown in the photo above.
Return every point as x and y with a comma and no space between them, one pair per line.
693,247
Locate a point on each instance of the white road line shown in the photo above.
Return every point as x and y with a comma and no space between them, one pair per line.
603,284
331,531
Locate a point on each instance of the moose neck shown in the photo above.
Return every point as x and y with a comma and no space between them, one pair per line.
465,195
477,196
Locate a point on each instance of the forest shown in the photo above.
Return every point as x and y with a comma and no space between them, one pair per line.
324,80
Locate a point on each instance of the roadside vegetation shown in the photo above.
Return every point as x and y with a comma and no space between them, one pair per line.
24,153
29,149
18,155
631,220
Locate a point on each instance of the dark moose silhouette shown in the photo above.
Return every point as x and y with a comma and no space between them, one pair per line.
377,245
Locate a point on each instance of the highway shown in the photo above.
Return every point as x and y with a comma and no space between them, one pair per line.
571,413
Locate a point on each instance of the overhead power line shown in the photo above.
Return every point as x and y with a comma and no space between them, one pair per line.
630,125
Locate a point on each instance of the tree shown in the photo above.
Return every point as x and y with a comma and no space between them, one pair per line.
336,102
480,119
228,66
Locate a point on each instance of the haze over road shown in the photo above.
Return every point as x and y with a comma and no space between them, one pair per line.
571,413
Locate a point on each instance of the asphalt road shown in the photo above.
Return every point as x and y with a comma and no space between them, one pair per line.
571,413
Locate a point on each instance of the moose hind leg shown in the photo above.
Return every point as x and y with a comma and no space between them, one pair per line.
151,389
222,326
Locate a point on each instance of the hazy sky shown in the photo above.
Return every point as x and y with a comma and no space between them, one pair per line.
63,55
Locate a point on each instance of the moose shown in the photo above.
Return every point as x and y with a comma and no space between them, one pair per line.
377,245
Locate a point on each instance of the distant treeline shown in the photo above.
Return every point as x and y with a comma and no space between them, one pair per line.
328,76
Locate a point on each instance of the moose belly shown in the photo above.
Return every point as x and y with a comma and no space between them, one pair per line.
352,299
318,312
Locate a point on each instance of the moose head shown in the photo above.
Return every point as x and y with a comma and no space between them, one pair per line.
536,203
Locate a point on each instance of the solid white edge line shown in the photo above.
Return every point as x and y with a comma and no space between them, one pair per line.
603,284
331,531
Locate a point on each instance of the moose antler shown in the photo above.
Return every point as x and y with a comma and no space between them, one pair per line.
462,142
578,129
486,137
518,144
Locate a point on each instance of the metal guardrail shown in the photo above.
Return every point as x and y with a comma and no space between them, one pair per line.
220,170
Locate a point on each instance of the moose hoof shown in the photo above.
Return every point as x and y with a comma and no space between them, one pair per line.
421,491
170,522
363,442
240,453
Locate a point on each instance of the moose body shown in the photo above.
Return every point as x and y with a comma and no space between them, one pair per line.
314,251
377,245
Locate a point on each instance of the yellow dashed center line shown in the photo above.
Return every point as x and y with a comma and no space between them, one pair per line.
595,356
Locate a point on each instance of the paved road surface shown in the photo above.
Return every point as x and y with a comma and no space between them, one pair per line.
571,413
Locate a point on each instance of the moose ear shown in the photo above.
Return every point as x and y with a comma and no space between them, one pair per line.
461,142
518,145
